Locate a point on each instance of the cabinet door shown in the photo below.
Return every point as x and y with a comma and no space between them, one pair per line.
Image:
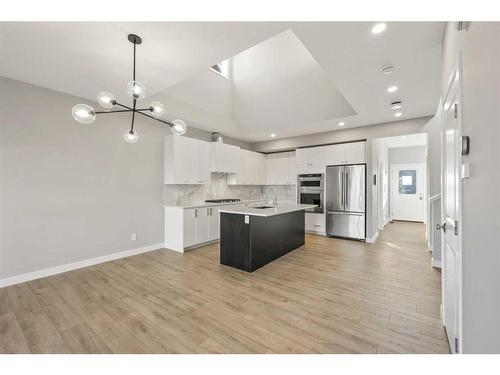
335,154
291,170
355,152
202,230
302,158
272,169
176,160
213,223
260,168
198,161
189,224
203,162
317,156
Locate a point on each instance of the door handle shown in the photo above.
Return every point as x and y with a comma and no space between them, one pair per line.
441,226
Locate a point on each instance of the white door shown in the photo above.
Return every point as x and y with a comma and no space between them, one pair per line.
213,223
189,225
451,212
408,192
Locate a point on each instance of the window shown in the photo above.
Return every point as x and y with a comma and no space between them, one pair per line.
221,68
408,181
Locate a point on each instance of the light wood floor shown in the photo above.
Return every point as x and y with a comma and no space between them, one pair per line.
330,296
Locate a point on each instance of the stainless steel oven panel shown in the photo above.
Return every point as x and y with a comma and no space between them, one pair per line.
310,196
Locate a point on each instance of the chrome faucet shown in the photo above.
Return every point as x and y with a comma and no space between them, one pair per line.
275,200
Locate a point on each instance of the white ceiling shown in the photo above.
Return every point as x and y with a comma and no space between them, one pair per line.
299,78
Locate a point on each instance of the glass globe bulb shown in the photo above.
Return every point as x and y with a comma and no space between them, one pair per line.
131,136
136,90
83,113
179,127
105,99
158,109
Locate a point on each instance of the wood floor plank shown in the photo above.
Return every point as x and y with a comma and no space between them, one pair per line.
329,296
12,339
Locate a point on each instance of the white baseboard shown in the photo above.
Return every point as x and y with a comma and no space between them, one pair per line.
436,263
76,265
372,239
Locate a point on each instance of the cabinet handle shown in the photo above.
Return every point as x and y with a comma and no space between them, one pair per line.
195,213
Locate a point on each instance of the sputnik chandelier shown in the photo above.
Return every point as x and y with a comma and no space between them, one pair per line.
85,114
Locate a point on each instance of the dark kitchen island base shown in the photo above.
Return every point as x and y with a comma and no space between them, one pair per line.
249,246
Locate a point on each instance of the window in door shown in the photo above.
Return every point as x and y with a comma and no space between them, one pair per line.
408,181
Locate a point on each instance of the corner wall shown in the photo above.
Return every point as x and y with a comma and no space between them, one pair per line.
478,50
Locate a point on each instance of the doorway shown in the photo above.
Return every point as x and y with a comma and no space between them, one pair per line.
408,192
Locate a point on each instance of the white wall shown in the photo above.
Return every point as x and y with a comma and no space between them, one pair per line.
479,52
408,155
419,125
70,192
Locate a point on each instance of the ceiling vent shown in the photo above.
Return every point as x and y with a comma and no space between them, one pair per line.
463,25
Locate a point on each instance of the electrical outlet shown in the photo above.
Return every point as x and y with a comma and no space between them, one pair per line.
133,236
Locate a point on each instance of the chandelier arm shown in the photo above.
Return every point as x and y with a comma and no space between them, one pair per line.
133,111
157,119
150,109
122,105
114,111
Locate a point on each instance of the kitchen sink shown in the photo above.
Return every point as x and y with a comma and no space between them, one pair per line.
262,207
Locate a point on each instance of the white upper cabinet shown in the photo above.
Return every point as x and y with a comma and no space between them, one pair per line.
355,152
187,160
252,169
224,158
310,157
346,153
281,168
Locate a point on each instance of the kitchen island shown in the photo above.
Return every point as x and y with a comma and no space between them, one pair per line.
252,237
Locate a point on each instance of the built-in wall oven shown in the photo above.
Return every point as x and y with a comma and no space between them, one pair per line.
310,191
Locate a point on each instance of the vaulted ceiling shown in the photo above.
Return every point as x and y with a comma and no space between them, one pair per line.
287,78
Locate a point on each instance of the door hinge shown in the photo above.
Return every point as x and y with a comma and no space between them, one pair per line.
455,229
456,110
456,345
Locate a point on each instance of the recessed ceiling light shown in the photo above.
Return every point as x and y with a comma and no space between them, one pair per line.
378,28
398,114
272,135
396,105
341,123
392,89
403,137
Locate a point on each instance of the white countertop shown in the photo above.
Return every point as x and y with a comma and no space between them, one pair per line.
281,208
204,204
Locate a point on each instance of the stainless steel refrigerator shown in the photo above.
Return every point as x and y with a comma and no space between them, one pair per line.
345,201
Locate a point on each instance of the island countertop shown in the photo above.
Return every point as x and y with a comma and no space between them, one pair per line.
281,208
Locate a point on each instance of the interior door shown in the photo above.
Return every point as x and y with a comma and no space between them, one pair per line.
408,192
451,192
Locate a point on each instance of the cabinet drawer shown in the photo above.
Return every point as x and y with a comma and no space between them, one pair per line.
315,223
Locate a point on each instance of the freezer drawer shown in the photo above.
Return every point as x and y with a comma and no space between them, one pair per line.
345,224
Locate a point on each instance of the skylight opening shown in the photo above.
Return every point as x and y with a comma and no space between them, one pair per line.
221,68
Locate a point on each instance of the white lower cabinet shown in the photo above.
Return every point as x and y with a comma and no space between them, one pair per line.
315,223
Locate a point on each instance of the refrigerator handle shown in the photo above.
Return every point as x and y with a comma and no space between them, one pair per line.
342,188
346,187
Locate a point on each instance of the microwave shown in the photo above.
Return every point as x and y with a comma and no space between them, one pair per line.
310,191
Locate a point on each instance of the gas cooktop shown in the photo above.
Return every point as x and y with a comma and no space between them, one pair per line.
227,200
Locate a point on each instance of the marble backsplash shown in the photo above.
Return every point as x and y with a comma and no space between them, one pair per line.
180,195
285,193
217,189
